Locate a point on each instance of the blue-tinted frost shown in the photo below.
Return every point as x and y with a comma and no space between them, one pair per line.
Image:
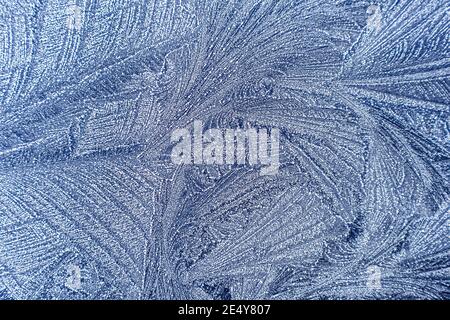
91,206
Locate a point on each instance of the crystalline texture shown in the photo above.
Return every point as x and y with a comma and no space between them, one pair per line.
91,207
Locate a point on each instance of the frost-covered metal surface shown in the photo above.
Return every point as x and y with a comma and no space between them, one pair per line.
92,207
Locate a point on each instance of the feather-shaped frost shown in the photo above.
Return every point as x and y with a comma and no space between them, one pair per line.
91,206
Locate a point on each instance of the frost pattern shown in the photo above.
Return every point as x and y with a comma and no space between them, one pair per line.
92,208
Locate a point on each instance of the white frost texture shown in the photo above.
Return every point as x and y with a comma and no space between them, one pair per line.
92,207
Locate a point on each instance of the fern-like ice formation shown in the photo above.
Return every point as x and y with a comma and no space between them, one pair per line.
91,206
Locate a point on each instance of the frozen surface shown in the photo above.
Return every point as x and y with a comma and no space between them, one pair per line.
91,206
